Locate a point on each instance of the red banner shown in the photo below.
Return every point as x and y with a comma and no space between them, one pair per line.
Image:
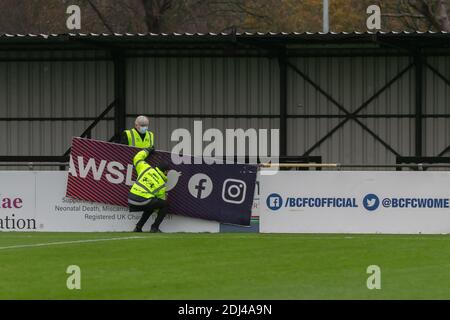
103,172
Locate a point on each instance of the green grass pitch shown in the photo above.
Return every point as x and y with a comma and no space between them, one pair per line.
223,266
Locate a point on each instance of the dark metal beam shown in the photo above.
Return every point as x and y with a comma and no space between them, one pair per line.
317,87
283,104
209,115
119,92
443,152
232,116
418,65
56,59
38,119
429,160
325,137
88,131
384,88
436,72
290,116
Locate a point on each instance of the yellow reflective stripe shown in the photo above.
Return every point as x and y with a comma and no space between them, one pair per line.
143,187
141,155
130,137
154,192
139,191
143,172
148,190
159,189
161,174
151,139
141,166
136,139
155,179
139,142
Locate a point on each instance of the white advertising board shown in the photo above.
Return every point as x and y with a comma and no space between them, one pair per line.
35,201
396,202
256,203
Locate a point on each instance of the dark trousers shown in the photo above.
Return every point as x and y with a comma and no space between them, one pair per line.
148,209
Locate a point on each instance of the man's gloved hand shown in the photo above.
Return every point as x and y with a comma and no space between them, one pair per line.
150,150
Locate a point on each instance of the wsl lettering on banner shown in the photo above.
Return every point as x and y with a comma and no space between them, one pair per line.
115,171
101,172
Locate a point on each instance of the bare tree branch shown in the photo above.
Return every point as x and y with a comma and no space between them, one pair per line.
100,15
401,15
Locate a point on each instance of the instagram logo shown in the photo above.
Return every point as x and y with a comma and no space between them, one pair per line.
234,191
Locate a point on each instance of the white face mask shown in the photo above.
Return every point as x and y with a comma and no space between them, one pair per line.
143,129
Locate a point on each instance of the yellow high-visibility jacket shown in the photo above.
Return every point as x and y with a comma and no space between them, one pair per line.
135,140
151,182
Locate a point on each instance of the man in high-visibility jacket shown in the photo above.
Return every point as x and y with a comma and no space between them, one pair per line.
148,193
139,136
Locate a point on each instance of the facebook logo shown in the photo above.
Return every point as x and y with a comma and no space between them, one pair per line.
274,201
200,186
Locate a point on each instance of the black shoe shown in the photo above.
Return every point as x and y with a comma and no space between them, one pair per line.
137,229
155,230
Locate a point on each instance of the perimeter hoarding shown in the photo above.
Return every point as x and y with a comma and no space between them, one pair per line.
35,201
103,172
355,202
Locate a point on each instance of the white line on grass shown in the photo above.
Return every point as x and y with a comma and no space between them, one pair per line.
358,237
230,236
304,236
66,242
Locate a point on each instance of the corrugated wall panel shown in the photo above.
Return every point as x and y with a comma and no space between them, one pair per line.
202,86
32,138
52,89
206,86
437,97
351,81
437,101
223,86
55,89
437,136
351,144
